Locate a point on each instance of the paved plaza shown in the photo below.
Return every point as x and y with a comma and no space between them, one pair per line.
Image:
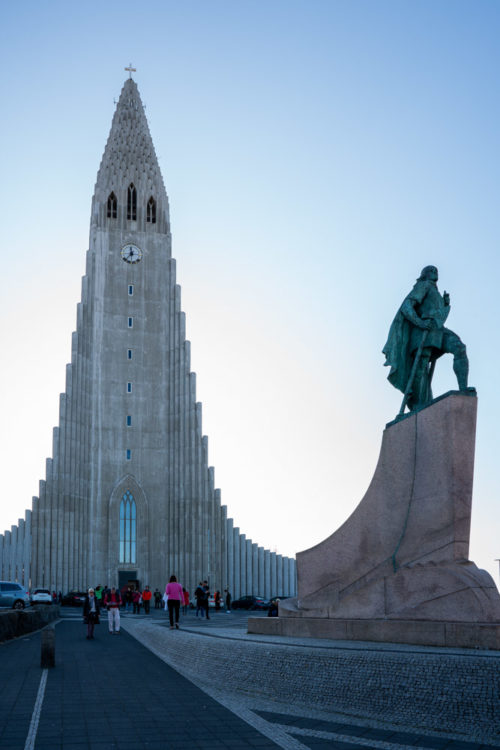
120,692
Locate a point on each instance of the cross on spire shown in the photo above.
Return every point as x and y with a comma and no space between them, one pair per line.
130,70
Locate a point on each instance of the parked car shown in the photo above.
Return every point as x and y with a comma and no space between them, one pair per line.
41,596
74,598
13,595
250,602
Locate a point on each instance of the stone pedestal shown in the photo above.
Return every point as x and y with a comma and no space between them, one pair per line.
402,555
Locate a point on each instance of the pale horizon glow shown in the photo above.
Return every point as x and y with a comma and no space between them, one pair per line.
316,156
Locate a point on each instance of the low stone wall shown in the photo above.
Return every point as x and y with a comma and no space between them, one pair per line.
456,693
17,622
418,633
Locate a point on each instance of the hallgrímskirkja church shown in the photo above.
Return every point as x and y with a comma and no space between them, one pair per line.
128,493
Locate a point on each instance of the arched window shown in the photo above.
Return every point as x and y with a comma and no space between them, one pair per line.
151,211
112,206
132,202
127,528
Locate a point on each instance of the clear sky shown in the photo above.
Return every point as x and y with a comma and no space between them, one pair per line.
317,154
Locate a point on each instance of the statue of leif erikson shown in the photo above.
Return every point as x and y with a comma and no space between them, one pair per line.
418,337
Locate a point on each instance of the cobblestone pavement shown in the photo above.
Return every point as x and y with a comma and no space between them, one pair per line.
120,692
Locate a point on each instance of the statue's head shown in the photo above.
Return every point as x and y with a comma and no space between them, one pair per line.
429,273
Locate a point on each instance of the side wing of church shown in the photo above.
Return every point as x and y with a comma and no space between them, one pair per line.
128,493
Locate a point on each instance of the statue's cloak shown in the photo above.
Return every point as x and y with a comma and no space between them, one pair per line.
397,352
404,337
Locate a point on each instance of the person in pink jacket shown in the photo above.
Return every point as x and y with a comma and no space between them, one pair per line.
173,590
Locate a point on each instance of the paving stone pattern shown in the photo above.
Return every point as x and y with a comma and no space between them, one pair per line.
456,693
303,727
110,693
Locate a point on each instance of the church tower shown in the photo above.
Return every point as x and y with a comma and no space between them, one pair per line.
128,493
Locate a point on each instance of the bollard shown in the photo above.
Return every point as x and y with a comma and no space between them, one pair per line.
48,654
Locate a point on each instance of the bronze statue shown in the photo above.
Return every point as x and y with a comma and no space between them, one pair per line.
418,338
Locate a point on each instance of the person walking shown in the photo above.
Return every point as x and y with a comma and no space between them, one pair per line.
91,613
157,598
137,601
228,600
146,599
174,592
206,600
199,595
185,605
113,602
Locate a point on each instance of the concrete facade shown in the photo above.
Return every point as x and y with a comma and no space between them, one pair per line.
130,428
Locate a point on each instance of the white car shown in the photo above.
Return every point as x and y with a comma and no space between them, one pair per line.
41,596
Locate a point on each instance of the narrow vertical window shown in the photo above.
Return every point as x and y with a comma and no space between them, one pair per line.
129,420
112,206
130,290
129,387
130,322
151,211
129,353
131,202
127,528
129,454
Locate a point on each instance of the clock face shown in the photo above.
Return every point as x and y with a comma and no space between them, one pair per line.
131,253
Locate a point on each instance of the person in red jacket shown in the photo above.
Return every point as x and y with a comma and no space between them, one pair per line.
113,601
146,599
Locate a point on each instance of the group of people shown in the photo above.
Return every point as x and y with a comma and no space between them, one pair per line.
175,597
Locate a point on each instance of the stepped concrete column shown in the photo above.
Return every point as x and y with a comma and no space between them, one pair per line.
249,586
262,578
229,582
236,564
267,574
27,550
279,574
255,569
243,570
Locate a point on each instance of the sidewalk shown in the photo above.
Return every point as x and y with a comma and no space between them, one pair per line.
109,693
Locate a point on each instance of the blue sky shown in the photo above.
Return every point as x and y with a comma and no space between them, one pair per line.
316,156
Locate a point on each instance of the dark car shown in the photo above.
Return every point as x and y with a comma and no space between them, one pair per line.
250,602
74,598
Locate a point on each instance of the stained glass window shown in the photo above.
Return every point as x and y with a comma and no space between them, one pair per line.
127,528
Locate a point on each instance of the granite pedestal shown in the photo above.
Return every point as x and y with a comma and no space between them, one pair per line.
398,568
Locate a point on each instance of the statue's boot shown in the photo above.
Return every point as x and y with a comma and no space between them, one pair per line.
461,370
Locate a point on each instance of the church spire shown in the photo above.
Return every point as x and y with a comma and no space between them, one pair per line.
129,160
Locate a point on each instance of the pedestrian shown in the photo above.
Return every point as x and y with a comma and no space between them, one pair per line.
98,595
137,600
199,595
228,600
113,602
273,608
174,592
217,600
185,605
128,598
206,600
91,613
146,599
157,597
